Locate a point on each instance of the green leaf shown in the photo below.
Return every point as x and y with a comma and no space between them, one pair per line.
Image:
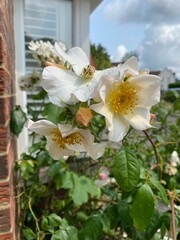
92,228
44,224
69,233
68,182
27,168
80,188
17,121
110,219
40,95
124,213
54,220
126,169
52,112
153,226
78,194
143,207
89,186
161,189
28,234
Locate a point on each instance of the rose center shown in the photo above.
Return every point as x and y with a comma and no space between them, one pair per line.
71,139
88,72
122,98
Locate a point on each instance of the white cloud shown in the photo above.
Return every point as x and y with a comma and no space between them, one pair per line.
119,54
149,11
161,20
161,47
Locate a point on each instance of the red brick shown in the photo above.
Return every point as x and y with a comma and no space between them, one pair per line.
7,161
6,104
4,173
5,217
7,236
5,192
7,101
5,138
6,86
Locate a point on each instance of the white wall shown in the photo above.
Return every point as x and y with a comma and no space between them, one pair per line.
80,25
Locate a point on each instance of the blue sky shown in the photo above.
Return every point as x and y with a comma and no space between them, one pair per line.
151,27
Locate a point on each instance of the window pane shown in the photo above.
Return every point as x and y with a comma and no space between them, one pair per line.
46,20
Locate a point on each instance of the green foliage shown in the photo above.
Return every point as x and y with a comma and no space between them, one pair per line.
126,169
62,200
100,57
18,119
79,188
92,228
174,85
143,207
171,96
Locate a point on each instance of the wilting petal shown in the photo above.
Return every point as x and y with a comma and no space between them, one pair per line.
140,118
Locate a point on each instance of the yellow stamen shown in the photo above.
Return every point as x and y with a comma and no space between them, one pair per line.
56,65
88,72
71,139
122,98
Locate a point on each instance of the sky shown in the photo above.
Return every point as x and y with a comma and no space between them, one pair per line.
149,27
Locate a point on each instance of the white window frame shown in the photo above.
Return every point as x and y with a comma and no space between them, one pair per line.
81,10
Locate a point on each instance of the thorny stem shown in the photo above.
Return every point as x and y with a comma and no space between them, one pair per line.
155,152
171,196
153,145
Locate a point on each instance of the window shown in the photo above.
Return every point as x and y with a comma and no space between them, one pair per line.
48,20
35,20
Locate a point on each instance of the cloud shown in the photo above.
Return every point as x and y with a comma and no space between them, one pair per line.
161,47
119,54
139,11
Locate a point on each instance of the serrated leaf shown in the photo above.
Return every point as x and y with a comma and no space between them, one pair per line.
17,121
92,229
143,207
153,226
126,169
161,189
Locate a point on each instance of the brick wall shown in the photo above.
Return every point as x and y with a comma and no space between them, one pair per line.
7,141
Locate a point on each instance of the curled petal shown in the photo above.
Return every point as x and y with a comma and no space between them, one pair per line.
42,127
75,56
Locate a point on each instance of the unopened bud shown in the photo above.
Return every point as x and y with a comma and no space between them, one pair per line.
152,117
83,116
102,176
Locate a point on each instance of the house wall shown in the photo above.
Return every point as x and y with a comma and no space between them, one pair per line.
7,141
167,77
